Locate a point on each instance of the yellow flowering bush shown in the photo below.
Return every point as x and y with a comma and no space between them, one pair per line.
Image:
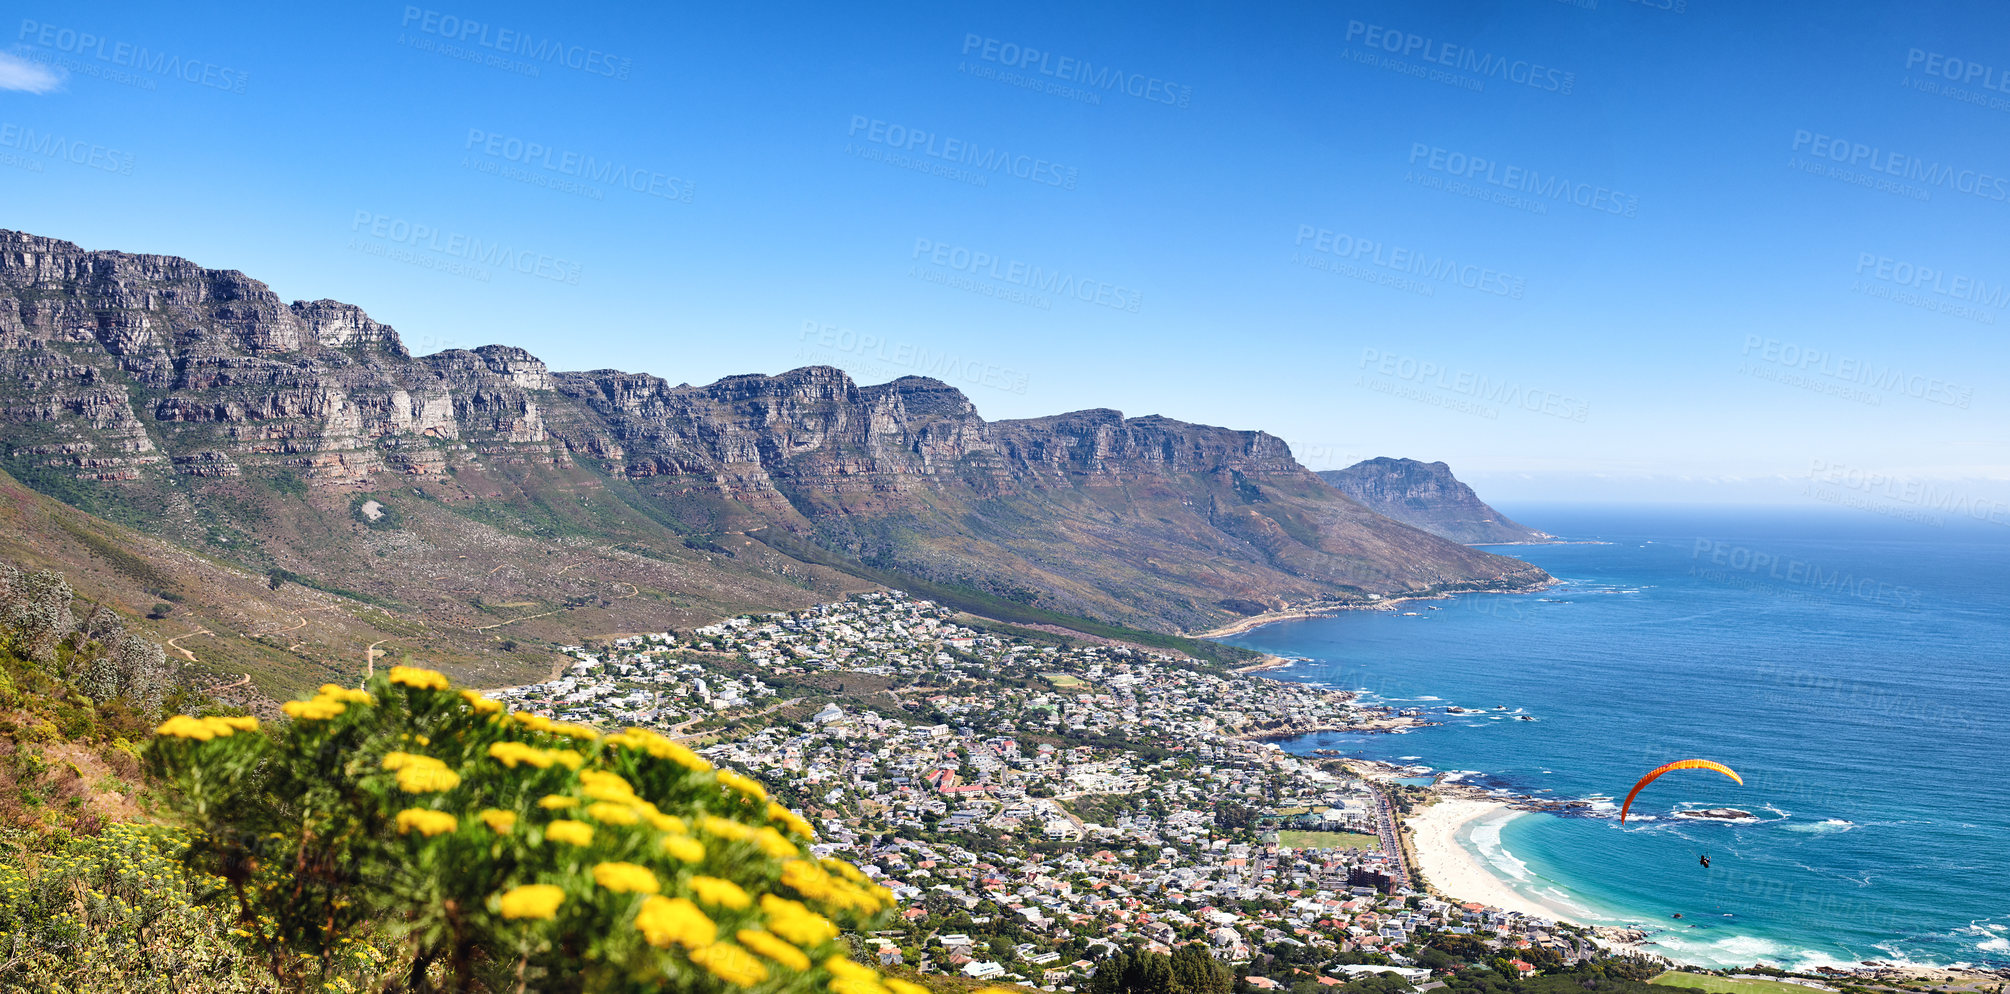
500,851
116,911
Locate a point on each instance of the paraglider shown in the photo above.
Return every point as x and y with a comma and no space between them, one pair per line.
1680,764
1706,862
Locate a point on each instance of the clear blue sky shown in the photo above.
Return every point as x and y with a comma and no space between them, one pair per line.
1282,245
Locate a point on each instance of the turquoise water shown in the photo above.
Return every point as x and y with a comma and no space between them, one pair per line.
1852,670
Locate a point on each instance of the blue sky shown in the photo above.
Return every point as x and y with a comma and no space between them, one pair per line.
1608,252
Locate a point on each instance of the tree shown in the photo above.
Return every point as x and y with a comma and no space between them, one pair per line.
1133,972
35,610
1196,971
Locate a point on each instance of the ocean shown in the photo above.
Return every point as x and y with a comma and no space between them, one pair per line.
1851,668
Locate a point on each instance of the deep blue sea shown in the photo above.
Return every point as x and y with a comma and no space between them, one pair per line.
1854,670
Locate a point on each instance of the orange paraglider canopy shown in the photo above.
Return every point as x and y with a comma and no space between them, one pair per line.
1680,764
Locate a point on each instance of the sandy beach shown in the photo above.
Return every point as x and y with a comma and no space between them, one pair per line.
1452,869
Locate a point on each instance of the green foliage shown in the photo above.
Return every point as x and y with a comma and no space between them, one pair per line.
387,516
485,851
1189,970
113,912
288,484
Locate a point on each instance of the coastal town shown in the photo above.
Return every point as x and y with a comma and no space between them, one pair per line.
1038,804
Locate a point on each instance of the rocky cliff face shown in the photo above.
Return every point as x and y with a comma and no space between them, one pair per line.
1428,496
136,383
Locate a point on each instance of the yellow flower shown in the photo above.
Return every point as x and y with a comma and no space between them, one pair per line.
347,695
725,828
482,705
534,722
793,921
898,986
242,723
182,726
426,822
566,758
427,779
555,802
612,814
849,871
318,709
720,893
667,823
844,969
599,785
499,821
730,963
790,820
532,901
625,878
772,843
848,977
855,985
773,948
412,676
808,879
684,848
660,746
419,774
664,921
743,785
573,731
577,833
512,753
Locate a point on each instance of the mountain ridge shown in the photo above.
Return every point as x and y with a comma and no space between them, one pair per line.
193,405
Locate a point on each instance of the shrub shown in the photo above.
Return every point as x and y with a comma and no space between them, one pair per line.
493,851
113,912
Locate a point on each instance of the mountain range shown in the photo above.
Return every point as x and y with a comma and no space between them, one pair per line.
292,483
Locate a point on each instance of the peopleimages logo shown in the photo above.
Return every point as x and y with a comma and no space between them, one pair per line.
1756,563
1874,159
946,366
537,155
1923,494
1403,260
466,248
1960,71
1026,275
1848,370
97,48
1523,180
1080,72
961,152
1462,58
47,145
507,41
1477,386
1932,280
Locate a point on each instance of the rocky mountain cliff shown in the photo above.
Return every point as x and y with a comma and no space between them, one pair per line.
304,439
1429,497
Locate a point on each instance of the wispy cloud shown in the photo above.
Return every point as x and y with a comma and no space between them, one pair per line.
17,73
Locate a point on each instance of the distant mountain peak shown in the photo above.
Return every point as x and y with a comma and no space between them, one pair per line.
1427,496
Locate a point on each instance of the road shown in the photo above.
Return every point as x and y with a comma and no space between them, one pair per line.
1391,832
370,659
185,654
